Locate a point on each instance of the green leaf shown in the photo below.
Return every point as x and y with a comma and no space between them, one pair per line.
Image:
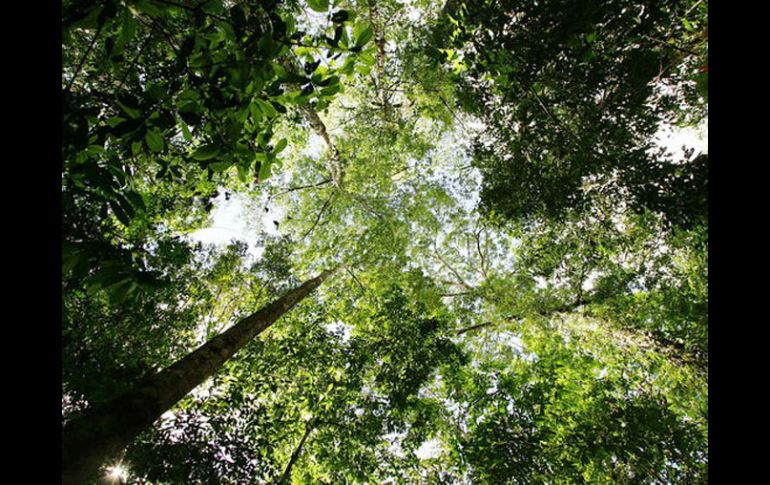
127,30
70,257
90,20
115,121
149,8
256,113
106,275
367,58
264,171
278,107
212,6
136,200
206,152
364,37
156,91
319,5
243,173
119,292
186,131
280,146
233,131
120,213
331,90
220,166
702,85
266,108
154,140
188,95
348,66
133,113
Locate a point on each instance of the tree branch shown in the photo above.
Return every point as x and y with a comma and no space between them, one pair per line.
295,454
302,187
83,59
483,264
450,268
473,327
363,288
336,171
318,218
379,41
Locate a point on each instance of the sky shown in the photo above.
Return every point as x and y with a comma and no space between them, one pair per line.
236,218
673,138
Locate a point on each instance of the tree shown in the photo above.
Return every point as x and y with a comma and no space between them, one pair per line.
160,100
90,439
554,419
572,94
320,394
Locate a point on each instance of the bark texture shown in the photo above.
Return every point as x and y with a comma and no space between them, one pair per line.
88,441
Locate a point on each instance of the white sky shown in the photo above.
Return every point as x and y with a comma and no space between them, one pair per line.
673,138
429,449
239,219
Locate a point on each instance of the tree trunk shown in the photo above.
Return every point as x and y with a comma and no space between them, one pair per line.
88,441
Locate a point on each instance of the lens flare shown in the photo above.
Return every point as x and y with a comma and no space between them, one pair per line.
117,473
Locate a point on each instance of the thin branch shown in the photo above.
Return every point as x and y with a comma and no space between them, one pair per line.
459,293
560,309
379,41
450,268
363,288
302,187
133,62
473,327
361,200
195,9
672,46
83,59
692,8
336,170
318,218
397,172
295,454
483,264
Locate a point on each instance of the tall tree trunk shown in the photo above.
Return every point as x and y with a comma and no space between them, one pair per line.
87,442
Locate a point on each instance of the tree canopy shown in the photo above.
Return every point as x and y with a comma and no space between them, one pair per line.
468,257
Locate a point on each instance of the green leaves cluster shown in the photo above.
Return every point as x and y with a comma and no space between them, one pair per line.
572,94
160,101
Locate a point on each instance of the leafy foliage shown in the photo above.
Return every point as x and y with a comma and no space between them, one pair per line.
521,293
573,93
552,419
